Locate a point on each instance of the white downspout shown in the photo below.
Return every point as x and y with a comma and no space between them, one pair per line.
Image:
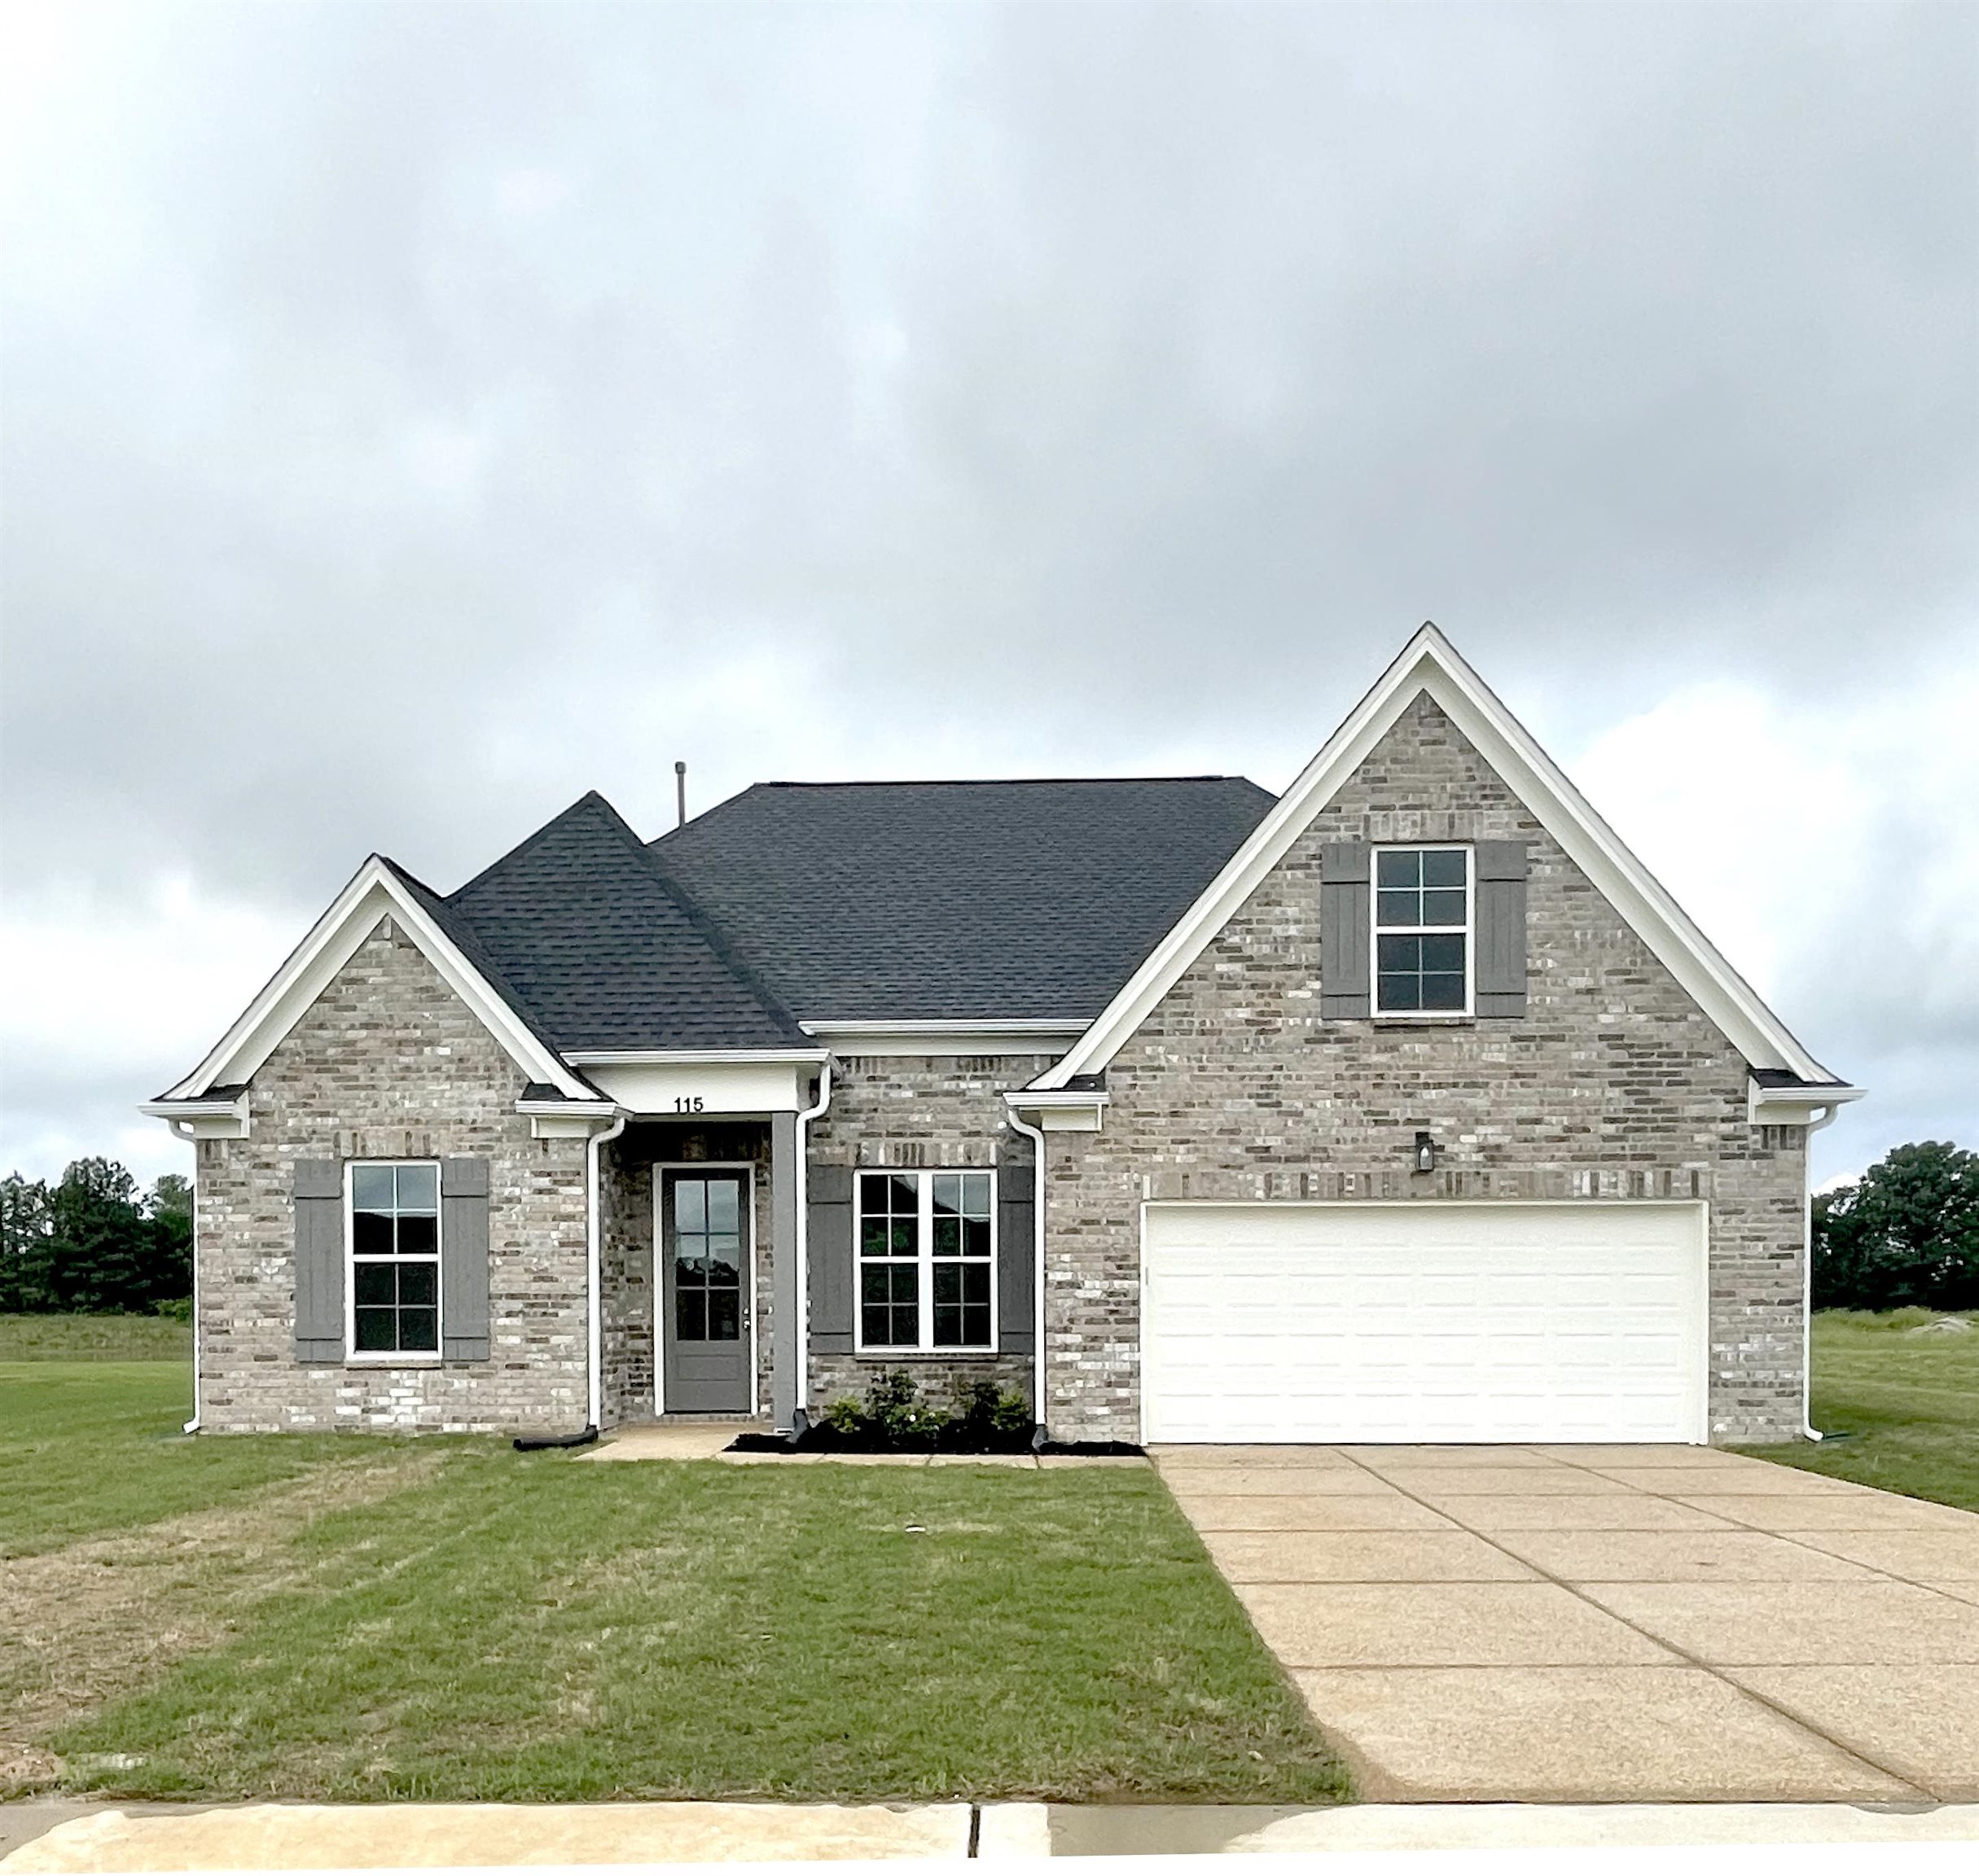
805,1116
179,1132
1035,1135
1807,1425
595,1263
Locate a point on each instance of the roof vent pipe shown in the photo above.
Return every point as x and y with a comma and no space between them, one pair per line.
680,794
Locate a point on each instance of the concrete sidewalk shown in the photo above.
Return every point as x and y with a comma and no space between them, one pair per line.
1585,1623
69,1836
481,1836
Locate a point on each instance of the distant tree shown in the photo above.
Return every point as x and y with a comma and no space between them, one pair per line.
1907,1232
171,1192
24,1246
170,1211
90,1244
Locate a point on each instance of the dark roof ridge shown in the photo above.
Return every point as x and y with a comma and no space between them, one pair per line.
710,934
1009,782
529,840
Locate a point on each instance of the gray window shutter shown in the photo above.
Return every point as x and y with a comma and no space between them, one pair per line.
1344,911
463,1260
1016,1255
828,1249
318,1196
1501,927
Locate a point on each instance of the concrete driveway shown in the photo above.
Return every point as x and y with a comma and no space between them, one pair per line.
1605,1623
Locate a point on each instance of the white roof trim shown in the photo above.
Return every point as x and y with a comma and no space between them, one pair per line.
197,1108
1429,663
1796,1106
953,1026
951,1036
374,891
687,1058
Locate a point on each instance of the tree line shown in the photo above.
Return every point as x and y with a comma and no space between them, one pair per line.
1906,1232
93,1244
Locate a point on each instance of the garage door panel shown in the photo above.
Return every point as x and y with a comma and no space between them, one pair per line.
1424,1322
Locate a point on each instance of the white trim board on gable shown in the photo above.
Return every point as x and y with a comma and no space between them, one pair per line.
374,891
1429,663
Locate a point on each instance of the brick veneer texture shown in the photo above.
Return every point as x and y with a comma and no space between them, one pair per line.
1612,1085
389,1062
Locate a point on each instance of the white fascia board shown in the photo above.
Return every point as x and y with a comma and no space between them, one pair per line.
568,1120
1060,1110
667,1086
1023,1035
202,1118
374,892
688,1057
1796,1106
1429,663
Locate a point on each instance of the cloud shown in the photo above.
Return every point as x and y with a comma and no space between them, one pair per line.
416,416
1829,849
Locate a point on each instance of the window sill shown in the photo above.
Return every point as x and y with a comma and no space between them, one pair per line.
394,1362
1423,1018
927,1354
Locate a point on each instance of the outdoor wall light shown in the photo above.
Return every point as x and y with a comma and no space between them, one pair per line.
1425,1153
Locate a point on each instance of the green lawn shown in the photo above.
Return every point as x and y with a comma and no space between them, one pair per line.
94,1446
1908,1405
347,1617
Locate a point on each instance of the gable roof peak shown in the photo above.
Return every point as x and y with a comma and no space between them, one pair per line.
1429,663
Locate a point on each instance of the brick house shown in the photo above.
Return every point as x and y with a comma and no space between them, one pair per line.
1405,1106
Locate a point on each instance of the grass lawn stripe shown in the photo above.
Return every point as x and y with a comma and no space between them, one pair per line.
1909,1405
538,1629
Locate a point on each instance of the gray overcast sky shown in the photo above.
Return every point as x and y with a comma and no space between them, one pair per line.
416,415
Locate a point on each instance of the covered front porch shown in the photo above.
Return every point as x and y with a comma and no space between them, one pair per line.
699,1254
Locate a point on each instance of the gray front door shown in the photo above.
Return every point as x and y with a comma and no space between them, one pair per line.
704,1291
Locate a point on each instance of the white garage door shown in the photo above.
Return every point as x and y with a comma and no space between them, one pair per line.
1426,1321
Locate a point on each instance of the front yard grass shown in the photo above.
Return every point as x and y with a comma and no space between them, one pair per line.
456,1621
93,1446
1908,1404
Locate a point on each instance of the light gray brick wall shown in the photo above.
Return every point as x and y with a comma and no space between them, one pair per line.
1613,1086
909,1111
389,1062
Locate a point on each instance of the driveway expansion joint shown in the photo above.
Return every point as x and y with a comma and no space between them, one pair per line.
1203,1485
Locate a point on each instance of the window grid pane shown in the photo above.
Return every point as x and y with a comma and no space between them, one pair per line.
395,1259
938,1222
707,1259
1422,911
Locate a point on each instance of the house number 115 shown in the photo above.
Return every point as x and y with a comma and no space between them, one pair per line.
686,1103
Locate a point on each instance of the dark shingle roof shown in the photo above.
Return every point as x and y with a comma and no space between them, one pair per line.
598,950
925,900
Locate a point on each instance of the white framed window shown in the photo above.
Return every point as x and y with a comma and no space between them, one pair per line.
1423,949
926,1244
394,1241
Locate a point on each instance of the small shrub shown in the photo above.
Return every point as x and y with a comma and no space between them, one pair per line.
986,1414
179,1309
844,1416
896,1413
893,1417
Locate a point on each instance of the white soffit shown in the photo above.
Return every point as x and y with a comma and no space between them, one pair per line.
1429,663
373,893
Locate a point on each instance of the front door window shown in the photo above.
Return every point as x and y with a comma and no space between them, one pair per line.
708,1257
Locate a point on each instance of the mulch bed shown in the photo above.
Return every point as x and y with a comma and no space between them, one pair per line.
828,1440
